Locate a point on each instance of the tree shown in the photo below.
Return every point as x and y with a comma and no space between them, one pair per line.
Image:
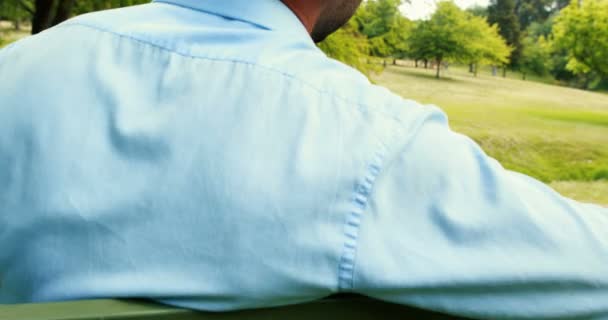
441,38
47,13
452,34
349,46
387,30
484,45
378,17
397,39
535,56
581,31
502,13
530,11
16,11
417,42
538,29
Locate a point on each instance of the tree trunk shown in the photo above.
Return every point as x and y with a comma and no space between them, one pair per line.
426,63
475,70
438,68
394,61
42,15
471,68
523,76
416,63
64,11
504,71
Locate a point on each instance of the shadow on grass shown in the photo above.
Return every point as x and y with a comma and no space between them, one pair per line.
427,74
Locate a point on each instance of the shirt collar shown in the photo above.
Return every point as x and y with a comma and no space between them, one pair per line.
267,14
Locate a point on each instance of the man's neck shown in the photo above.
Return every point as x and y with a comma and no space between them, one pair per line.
308,11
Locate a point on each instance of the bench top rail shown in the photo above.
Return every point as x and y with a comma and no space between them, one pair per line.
350,307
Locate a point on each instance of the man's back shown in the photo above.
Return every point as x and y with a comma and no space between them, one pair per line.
196,158
207,154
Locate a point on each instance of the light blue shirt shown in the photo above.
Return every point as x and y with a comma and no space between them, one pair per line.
206,154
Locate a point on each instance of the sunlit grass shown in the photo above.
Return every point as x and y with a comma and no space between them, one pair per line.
549,132
8,34
593,192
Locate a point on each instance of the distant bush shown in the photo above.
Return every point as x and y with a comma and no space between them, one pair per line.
601,174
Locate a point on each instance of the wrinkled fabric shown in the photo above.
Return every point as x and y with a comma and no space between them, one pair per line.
206,154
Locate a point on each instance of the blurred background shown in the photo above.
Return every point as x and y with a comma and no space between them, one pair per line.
527,79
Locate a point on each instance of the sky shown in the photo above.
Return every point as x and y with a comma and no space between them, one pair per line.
421,9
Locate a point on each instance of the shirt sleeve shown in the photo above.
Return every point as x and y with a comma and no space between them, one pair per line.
448,228
4,53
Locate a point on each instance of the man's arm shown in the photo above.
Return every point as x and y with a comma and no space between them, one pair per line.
448,228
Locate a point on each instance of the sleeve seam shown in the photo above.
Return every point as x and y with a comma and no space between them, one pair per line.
399,138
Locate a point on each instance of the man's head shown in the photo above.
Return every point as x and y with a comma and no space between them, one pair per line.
323,17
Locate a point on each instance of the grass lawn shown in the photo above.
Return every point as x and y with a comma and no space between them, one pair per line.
556,134
8,33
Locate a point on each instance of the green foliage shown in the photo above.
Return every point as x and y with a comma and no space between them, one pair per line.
455,35
45,14
556,57
502,13
16,11
385,27
544,28
441,38
377,17
378,48
531,11
349,46
397,39
377,29
485,46
581,32
535,56
9,34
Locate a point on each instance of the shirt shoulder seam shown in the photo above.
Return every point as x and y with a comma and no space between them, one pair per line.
236,61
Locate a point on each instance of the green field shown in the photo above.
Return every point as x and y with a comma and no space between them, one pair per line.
556,134
8,34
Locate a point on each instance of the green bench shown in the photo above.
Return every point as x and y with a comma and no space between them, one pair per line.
348,307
